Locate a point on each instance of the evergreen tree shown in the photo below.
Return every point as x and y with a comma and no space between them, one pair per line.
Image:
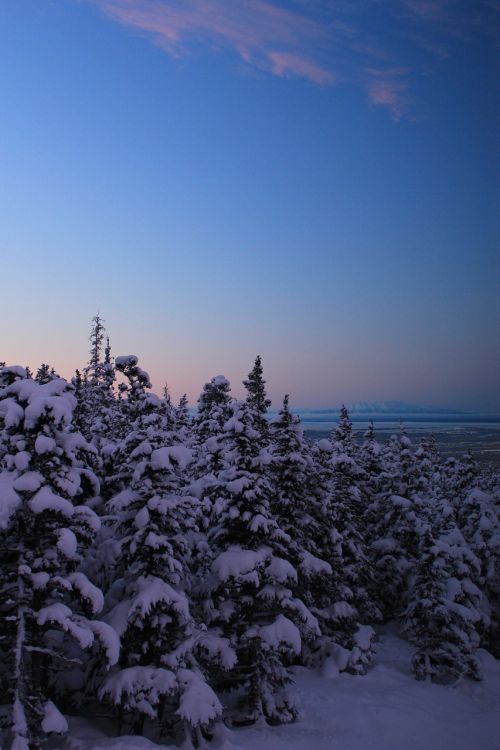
344,507
45,527
96,339
342,434
395,535
250,593
290,466
214,409
256,396
477,519
427,461
372,464
159,675
183,419
96,404
45,374
444,609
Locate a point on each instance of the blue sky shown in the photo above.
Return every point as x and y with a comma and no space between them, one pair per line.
311,181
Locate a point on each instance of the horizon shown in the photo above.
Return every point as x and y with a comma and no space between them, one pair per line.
359,409
314,182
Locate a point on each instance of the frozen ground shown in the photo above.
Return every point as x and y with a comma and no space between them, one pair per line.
385,710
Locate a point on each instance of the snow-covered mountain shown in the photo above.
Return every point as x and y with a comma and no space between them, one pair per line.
394,408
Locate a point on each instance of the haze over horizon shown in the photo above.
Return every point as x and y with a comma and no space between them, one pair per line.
314,182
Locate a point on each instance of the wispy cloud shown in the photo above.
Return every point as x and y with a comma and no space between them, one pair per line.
262,33
380,45
389,88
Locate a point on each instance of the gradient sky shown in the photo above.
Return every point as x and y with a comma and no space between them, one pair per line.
313,181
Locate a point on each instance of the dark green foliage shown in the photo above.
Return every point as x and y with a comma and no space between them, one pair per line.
256,395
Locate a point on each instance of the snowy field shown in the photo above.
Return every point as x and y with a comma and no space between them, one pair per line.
387,709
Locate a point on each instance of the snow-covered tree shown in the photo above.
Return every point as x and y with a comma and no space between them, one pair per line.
214,409
94,391
289,466
250,595
45,526
257,397
444,610
371,463
45,374
159,674
478,520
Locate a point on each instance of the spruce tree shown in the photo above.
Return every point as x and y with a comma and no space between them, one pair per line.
444,609
256,395
159,675
478,520
250,595
214,409
45,526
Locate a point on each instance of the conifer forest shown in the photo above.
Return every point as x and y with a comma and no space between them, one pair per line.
170,571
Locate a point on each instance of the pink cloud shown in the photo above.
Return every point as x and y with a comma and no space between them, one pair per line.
263,34
388,88
379,46
289,62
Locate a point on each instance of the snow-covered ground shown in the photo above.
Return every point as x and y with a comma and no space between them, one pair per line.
387,709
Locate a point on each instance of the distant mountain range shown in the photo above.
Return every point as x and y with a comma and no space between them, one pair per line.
394,408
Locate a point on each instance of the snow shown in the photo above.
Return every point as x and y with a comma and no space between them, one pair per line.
109,639
82,513
236,561
124,498
386,709
198,704
311,565
218,648
236,486
11,412
400,502
87,590
141,518
181,455
342,610
281,570
220,380
139,687
44,444
61,615
23,389
45,499
337,661
31,481
9,499
126,359
325,445
364,636
162,458
22,460
40,580
143,449
16,370
281,631
151,591
67,543
53,397
53,720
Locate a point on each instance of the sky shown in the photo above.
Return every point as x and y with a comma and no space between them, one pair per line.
313,181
